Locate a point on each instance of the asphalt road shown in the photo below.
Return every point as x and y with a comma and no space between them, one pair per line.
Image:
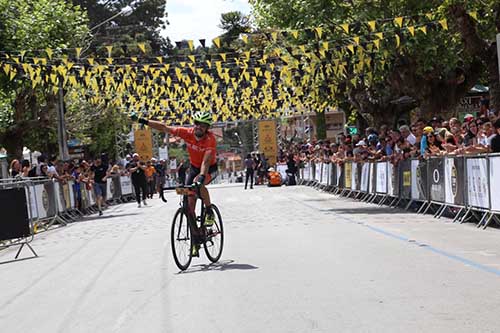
295,260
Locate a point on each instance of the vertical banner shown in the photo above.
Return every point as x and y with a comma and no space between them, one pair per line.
317,172
495,182
390,179
381,178
354,177
348,175
422,181
109,190
324,174
477,182
268,143
415,194
437,176
59,199
125,185
454,181
372,180
365,177
405,179
143,143
333,174
307,171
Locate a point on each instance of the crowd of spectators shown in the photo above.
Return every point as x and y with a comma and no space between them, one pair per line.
421,139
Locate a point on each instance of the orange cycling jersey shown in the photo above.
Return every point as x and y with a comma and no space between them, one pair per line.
197,148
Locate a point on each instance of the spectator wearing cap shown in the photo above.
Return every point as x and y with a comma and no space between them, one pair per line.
495,141
407,134
436,122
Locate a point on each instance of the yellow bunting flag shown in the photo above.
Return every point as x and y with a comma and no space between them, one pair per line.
423,29
78,52
399,21
345,27
49,53
411,30
356,40
319,32
134,59
192,58
380,35
244,38
398,40
142,47
295,33
372,25
110,49
160,59
473,15
216,42
444,24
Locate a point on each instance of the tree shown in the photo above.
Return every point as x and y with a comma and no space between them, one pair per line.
144,23
428,66
234,24
28,113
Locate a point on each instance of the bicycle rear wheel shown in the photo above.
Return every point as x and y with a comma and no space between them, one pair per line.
215,237
181,240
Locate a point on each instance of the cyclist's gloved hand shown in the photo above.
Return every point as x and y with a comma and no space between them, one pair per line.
201,179
135,117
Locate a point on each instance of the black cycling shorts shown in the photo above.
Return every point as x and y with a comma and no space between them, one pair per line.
194,171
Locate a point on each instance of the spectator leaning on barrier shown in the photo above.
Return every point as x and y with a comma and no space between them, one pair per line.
495,141
25,168
15,168
407,134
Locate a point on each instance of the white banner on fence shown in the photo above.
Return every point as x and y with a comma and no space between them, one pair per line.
365,177
495,182
71,195
339,174
415,193
381,185
329,170
449,179
317,173
109,193
371,188
60,203
325,174
354,176
32,210
126,185
477,182
390,185
307,171
39,191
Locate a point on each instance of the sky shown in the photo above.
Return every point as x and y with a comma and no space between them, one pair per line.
199,19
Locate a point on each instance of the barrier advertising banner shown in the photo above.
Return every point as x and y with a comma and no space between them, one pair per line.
390,179
421,181
340,176
381,178
306,171
126,185
325,173
405,174
348,175
415,194
477,182
365,177
372,181
317,172
268,142
436,174
355,177
333,174
454,181
495,182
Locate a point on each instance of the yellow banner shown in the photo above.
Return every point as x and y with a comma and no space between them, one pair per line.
143,143
348,175
268,143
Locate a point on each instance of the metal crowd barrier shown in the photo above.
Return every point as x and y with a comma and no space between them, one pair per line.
34,205
460,186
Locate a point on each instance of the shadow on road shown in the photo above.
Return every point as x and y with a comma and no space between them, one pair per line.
95,218
364,211
218,266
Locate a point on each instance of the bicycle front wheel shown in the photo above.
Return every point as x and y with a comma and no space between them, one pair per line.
181,240
215,237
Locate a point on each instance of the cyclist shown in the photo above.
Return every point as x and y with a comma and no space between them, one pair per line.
201,146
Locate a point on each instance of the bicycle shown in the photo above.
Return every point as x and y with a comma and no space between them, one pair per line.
184,226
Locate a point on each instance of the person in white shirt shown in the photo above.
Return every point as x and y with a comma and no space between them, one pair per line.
407,134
